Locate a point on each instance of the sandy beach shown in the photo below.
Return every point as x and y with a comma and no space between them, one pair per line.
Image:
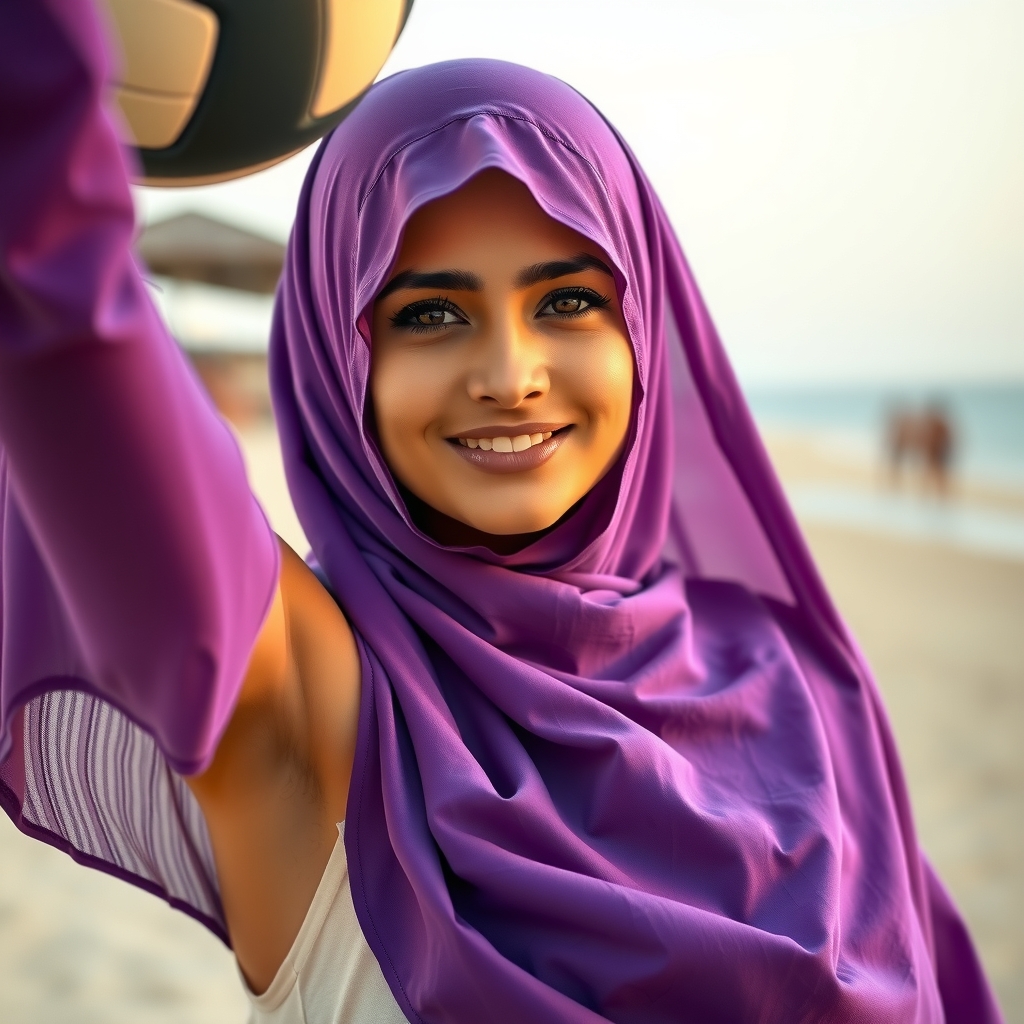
941,626
942,632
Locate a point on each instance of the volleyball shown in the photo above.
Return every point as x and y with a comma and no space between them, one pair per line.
217,89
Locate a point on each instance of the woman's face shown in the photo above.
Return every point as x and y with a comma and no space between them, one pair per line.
502,374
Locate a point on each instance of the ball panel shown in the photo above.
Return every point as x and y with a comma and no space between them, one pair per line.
168,51
216,179
358,39
168,45
154,120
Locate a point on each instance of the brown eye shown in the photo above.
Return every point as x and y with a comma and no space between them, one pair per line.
428,314
571,302
431,317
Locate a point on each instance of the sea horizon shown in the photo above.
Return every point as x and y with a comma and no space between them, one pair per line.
987,419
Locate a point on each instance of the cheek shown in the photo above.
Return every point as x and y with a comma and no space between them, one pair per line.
623,375
607,387
407,397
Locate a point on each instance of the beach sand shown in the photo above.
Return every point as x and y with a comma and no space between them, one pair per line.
80,947
943,631
942,628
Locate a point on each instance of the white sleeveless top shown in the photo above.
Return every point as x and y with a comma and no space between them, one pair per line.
330,975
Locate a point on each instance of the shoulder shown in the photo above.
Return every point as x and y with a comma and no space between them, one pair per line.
298,708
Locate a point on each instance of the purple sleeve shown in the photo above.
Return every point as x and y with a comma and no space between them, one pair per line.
136,565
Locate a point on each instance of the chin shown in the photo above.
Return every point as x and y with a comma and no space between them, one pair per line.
509,523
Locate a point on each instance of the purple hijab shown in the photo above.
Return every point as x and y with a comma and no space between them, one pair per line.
637,771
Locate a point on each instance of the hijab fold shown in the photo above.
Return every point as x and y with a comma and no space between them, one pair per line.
637,771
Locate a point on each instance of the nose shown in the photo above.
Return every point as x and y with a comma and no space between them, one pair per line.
510,367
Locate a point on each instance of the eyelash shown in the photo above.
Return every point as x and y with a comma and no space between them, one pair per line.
405,316
588,295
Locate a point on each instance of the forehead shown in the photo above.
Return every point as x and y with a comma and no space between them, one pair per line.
493,220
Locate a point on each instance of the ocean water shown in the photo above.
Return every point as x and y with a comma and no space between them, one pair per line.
988,422
988,429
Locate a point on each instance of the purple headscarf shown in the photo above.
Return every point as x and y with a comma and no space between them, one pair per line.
636,771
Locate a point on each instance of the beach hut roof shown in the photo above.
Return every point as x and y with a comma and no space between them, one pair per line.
194,247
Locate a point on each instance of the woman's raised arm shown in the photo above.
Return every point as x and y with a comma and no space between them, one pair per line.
132,489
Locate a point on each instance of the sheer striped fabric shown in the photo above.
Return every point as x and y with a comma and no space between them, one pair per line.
95,785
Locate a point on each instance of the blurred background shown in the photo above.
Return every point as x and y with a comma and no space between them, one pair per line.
847,179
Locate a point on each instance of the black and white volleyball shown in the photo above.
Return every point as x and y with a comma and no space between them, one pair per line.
216,89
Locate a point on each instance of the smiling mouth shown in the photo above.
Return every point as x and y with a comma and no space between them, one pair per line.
502,443
495,452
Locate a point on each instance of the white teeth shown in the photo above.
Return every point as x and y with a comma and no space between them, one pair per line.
507,445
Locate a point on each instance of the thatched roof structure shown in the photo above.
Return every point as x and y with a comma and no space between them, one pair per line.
193,247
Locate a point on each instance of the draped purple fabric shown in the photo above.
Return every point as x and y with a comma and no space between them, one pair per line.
637,771
135,566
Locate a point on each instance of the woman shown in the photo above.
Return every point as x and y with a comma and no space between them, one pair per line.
563,667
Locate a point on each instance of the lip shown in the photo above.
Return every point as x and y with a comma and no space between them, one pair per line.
512,462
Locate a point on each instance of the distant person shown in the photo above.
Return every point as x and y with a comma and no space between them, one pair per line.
901,441
937,443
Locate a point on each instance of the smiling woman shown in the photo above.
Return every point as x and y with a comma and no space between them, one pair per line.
556,723
503,401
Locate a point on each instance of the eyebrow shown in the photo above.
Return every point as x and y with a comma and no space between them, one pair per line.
454,280
561,268
464,280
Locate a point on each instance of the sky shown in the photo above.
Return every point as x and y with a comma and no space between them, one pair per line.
846,176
